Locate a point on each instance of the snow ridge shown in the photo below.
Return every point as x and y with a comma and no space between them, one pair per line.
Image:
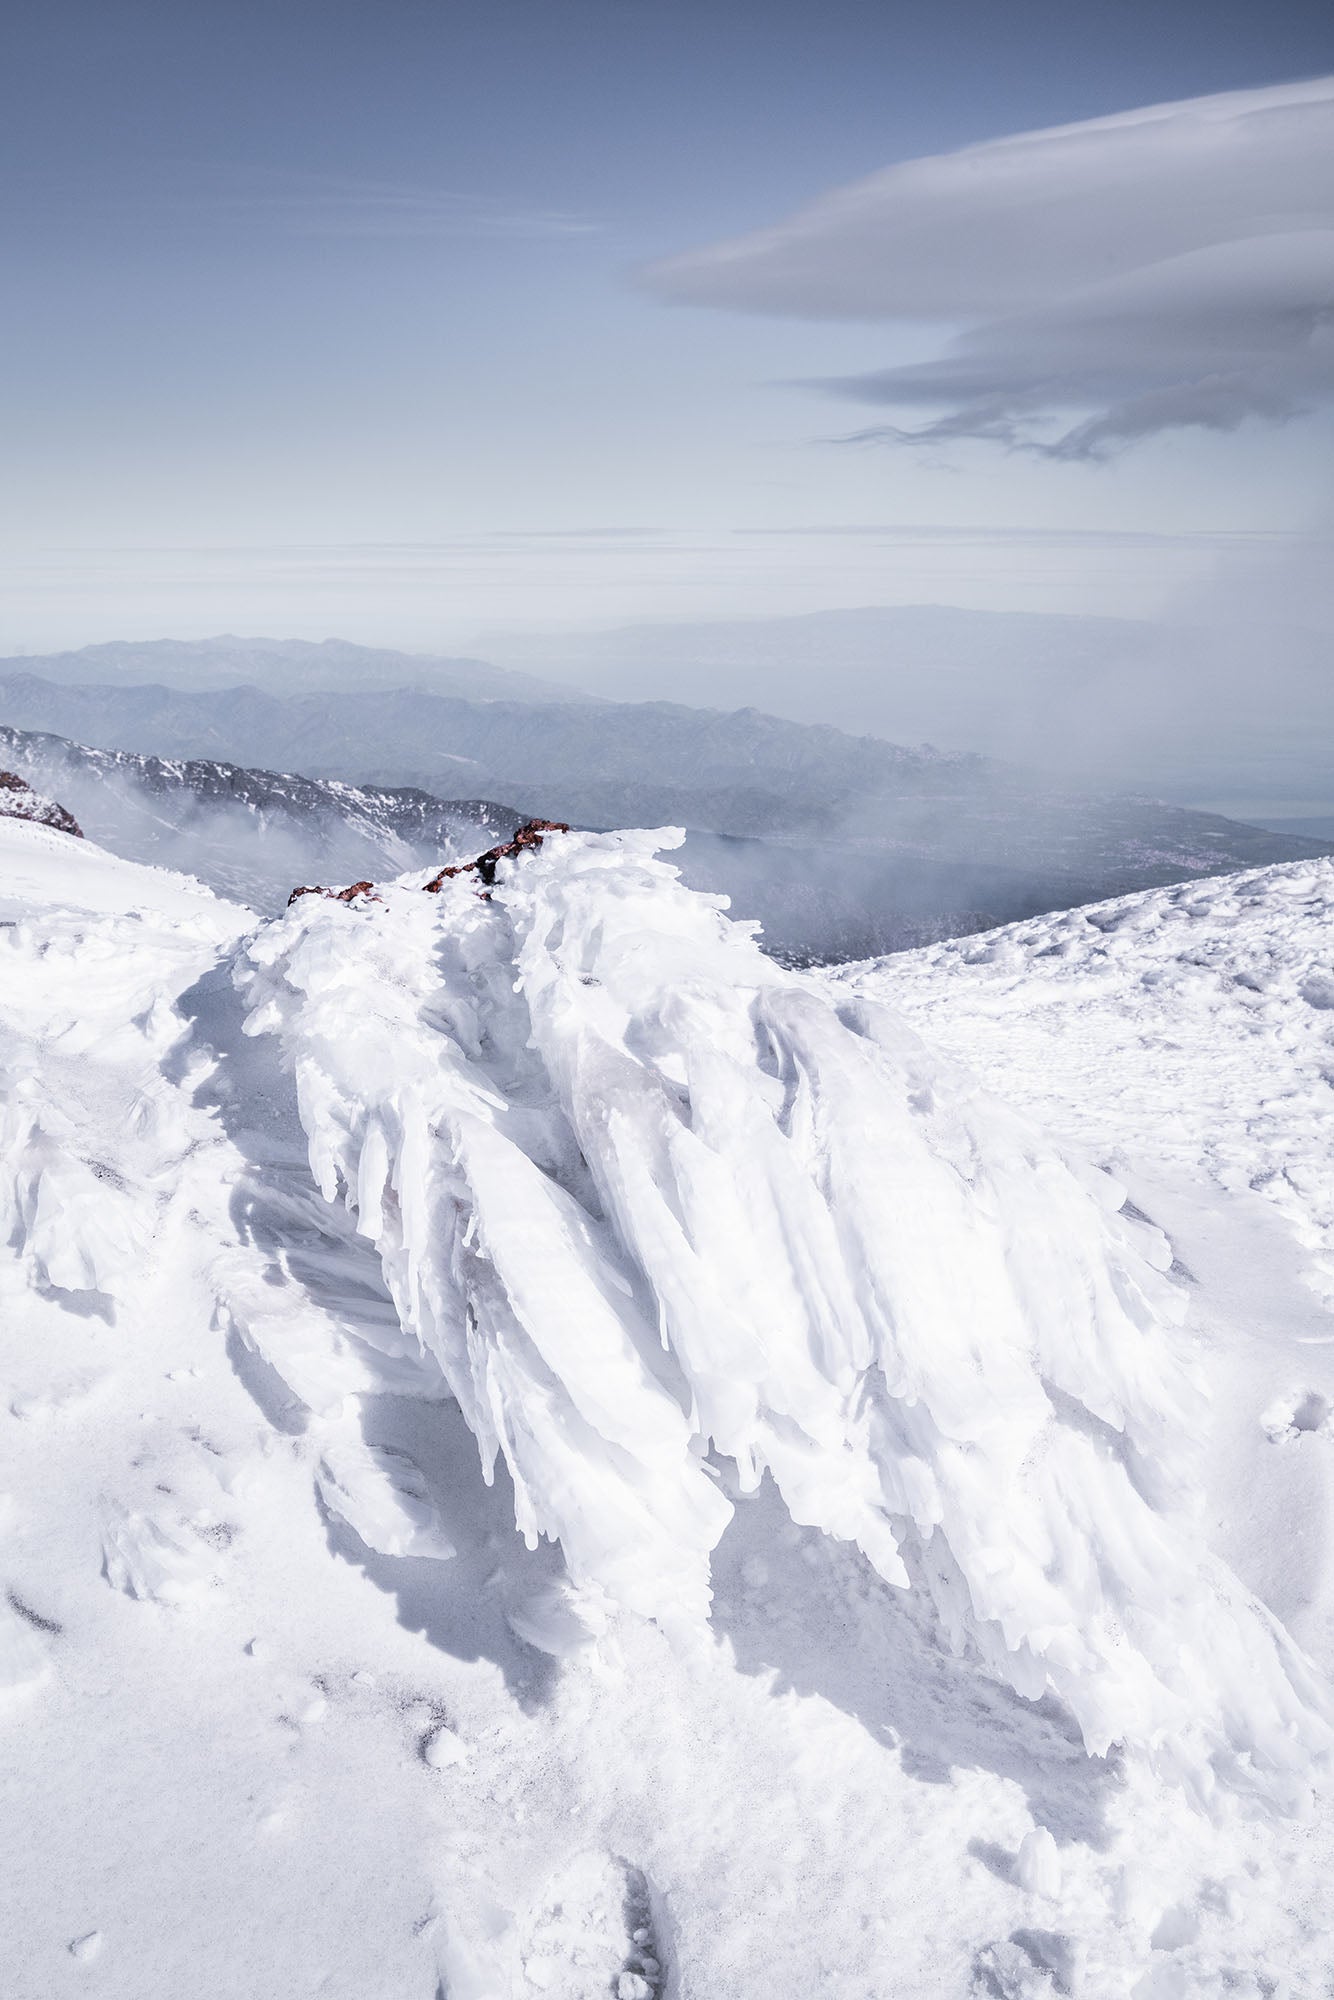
641,1197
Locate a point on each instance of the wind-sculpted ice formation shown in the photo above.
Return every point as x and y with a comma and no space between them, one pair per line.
646,1198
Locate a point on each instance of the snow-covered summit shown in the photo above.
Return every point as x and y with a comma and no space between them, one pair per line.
848,1423
1185,1038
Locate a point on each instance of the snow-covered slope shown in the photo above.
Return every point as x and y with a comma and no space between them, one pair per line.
249,834
1185,1038
38,870
1192,1027
739,1290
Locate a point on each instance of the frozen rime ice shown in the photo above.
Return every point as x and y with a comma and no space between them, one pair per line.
383,1497
1037,1866
691,1227
642,1197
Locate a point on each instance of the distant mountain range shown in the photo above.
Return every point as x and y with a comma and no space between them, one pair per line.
1234,717
282,666
613,763
840,845
1242,711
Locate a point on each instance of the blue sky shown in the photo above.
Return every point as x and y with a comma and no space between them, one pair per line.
353,318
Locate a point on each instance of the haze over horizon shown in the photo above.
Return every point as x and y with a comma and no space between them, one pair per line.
416,324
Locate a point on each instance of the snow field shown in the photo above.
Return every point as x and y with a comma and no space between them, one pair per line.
1192,1026
1177,1036
266,1734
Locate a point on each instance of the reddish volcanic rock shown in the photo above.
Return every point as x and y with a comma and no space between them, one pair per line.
348,895
530,835
18,800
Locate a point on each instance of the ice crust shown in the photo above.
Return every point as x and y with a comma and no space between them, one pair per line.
652,1205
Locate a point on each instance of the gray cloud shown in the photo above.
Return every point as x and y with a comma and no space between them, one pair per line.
1093,284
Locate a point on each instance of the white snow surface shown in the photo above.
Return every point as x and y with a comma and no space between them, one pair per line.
37,870
544,1454
1184,1038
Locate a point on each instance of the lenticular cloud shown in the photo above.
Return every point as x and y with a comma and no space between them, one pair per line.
1162,268
649,1202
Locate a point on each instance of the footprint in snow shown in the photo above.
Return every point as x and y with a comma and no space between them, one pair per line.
56,1398
592,1935
1029,1965
1302,1411
156,1559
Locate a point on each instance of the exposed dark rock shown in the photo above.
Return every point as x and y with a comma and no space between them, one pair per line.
18,800
348,895
529,836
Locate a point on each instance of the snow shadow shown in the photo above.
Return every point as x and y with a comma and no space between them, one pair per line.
811,1615
462,1605
83,1304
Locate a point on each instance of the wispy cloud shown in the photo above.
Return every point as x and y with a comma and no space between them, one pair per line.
327,205
290,203
1094,284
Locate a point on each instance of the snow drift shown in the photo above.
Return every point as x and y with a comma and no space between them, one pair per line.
649,1203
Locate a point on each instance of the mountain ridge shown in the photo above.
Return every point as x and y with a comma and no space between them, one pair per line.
854,844
288,665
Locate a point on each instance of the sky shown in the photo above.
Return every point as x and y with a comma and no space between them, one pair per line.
411,321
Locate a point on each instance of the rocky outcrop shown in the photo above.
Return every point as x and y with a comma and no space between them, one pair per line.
18,800
348,895
530,835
